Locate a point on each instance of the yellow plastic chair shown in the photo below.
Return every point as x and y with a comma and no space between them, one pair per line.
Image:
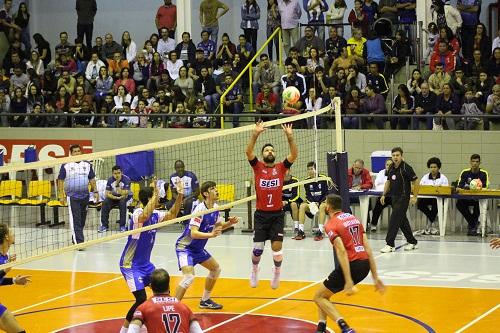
226,194
36,189
10,191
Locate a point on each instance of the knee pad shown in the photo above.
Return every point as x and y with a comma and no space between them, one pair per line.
278,255
187,281
214,274
258,248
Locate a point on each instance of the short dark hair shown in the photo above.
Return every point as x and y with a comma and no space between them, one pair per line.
395,149
263,55
311,164
145,194
178,161
160,281
206,186
434,160
266,145
74,146
475,157
334,200
116,167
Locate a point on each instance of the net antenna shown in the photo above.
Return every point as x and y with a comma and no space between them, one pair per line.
336,105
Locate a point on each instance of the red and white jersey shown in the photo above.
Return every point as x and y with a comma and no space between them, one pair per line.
351,231
269,184
164,314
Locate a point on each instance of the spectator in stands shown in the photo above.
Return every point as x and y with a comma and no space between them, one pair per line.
464,205
335,15
380,180
210,15
7,24
35,120
443,56
67,81
493,105
299,61
125,81
338,80
226,70
21,19
493,64
352,108
154,38
475,66
343,62
36,63
173,65
292,78
445,15
469,11
447,104
446,35
459,83
18,104
320,82
200,121
97,48
250,15
377,80
414,82
103,86
14,61
471,112
205,86
290,13
309,41
355,78
148,50
273,22
401,50
86,11
356,45
374,51
438,79
245,50
483,88
481,41
371,9
266,103
358,18
4,107
140,70
425,103
165,44
266,72
64,47
93,68
121,97
62,100
186,49
143,95
184,82
199,63
43,48
333,46
428,206
110,47
312,103
81,56
208,46
372,104
129,47
358,177
34,96
166,18
407,16
76,100
327,120
388,10
404,104
233,102
313,61
56,119
67,63
315,10
116,65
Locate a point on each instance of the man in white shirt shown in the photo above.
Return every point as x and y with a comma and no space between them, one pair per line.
93,67
165,44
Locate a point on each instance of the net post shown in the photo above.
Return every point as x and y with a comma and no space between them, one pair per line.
337,171
248,186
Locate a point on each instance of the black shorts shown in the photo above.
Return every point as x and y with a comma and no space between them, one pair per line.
287,208
268,226
359,270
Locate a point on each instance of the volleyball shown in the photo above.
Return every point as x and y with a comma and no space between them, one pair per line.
291,95
476,184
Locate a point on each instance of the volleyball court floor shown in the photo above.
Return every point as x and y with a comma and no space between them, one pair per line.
447,285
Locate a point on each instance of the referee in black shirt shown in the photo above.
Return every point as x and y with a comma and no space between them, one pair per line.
400,177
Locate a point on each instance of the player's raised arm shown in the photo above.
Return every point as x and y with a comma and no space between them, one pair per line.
259,128
151,205
379,285
174,211
294,151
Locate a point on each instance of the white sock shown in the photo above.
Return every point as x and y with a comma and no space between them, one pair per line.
296,224
124,330
301,227
206,295
321,228
255,267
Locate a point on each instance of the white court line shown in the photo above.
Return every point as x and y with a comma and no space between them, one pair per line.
268,303
478,319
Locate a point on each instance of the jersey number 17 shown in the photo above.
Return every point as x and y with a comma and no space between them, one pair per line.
172,322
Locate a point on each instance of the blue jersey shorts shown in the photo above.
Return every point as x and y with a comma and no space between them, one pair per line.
191,258
2,310
138,278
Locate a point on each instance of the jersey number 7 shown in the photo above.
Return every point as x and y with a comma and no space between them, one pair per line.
172,322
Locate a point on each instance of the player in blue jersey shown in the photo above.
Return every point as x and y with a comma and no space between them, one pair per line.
8,322
135,262
190,246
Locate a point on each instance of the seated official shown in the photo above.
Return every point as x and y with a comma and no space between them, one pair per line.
379,186
428,206
117,194
464,182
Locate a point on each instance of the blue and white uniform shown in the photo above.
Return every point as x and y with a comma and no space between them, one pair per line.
191,252
189,180
3,260
135,262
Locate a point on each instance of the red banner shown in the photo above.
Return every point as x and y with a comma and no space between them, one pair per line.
46,149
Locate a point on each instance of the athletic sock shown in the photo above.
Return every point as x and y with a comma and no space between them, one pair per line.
206,295
321,326
278,259
301,227
255,260
295,224
342,324
321,228
255,267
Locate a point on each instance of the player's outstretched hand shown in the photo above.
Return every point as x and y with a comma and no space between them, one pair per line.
259,127
233,220
350,289
495,243
22,279
179,186
379,286
217,231
12,258
287,128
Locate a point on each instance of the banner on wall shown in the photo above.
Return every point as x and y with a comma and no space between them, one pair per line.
46,149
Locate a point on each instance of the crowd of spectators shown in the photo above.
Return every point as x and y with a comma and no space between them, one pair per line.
127,83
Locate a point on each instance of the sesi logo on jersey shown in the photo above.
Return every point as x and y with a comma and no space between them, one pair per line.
269,183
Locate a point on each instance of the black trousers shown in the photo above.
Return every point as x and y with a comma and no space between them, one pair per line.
251,37
77,216
107,205
463,206
377,210
87,30
428,206
399,220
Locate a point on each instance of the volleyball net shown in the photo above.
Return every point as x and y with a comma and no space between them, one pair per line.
41,222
